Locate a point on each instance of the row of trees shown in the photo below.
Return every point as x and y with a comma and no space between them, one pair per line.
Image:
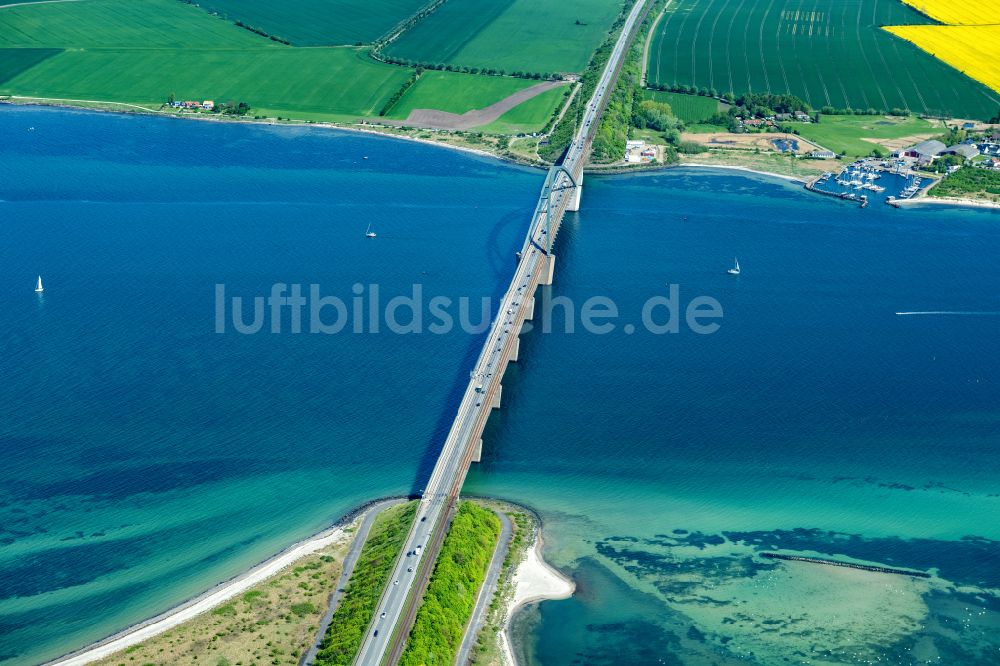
447,67
396,96
693,90
262,33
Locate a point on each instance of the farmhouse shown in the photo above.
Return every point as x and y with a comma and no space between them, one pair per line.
208,105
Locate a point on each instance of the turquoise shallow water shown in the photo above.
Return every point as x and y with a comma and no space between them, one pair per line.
147,457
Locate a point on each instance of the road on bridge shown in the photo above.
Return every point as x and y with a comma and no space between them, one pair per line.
397,608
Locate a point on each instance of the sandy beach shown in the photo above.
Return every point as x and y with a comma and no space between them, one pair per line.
792,179
534,580
949,201
210,599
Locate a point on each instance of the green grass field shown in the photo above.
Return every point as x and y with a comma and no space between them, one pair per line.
120,23
827,53
15,61
318,22
140,53
456,93
513,35
846,134
689,108
334,81
530,116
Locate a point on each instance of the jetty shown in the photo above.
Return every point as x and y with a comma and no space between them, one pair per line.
849,565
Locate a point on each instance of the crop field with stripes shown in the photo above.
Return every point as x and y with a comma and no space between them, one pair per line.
960,12
828,53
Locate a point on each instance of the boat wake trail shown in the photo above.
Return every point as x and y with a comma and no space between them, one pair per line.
951,312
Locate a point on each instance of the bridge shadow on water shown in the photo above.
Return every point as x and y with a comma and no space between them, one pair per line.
502,261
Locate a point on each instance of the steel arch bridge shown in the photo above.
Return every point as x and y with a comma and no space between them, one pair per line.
553,183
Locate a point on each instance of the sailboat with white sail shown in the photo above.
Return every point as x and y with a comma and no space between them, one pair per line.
735,270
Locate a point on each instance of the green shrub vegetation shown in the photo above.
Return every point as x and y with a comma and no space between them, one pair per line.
628,107
836,56
451,595
969,182
486,651
371,573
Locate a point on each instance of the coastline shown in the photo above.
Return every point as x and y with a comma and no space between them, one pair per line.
699,165
947,201
216,595
535,580
136,110
387,132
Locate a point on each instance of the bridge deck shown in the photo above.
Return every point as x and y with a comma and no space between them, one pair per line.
386,637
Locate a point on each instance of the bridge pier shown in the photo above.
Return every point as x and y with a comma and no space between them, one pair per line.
529,309
516,349
548,271
496,397
574,198
477,452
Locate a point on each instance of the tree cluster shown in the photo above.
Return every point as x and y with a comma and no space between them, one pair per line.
451,594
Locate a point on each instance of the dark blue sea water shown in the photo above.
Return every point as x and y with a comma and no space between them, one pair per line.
147,457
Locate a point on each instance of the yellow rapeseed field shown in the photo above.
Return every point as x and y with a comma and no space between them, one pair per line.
971,49
960,12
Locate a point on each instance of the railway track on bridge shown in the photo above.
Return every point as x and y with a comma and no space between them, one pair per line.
386,636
